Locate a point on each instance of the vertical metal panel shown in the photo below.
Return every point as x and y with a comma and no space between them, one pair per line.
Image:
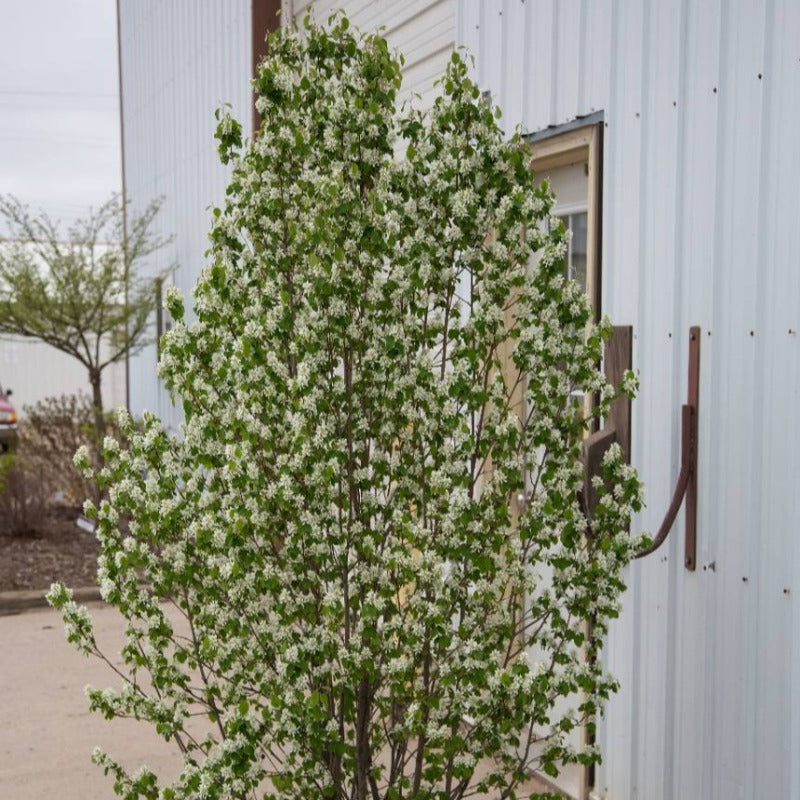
775,466
492,69
595,73
567,34
778,391
702,105
538,100
657,43
514,39
621,269
180,61
468,23
423,30
735,528
696,198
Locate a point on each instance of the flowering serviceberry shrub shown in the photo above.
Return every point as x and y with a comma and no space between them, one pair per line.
331,585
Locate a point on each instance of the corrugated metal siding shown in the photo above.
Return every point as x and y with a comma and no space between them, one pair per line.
423,30
701,170
180,61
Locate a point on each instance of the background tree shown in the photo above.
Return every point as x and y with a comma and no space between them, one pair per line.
329,565
79,291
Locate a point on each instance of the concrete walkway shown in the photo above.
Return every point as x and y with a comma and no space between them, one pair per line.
46,731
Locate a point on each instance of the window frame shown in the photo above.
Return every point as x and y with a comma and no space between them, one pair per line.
578,142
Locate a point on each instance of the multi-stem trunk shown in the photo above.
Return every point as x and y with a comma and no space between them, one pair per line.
363,752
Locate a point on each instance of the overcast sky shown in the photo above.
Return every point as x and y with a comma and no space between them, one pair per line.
59,113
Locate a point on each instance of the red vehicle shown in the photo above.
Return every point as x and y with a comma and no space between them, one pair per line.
8,422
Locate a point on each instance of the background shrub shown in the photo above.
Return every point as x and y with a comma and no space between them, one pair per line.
38,475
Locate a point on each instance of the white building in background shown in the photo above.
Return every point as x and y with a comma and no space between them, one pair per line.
179,61
670,131
35,371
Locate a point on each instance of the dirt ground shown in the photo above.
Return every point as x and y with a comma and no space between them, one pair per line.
58,551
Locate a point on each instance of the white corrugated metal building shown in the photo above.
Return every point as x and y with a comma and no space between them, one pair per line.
700,105
35,371
685,114
179,61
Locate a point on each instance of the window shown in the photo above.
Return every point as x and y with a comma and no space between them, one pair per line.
576,223
570,158
163,320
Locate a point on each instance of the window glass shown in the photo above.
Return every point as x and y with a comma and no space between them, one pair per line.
577,248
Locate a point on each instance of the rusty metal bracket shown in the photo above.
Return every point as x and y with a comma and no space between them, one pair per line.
687,477
618,359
